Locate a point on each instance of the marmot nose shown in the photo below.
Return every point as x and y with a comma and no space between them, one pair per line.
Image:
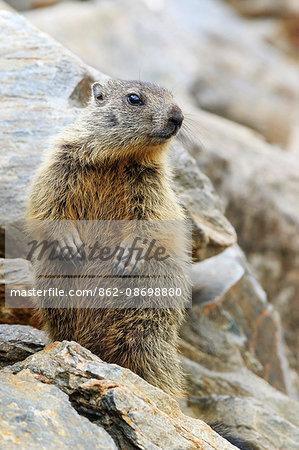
176,118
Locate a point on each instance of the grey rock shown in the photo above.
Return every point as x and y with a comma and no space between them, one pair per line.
19,341
232,322
15,274
250,419
259,185
34,415
135,414
38,77
212,232
4,5
266,7
212,278
240,383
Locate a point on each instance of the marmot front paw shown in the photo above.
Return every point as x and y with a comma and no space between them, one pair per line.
70,247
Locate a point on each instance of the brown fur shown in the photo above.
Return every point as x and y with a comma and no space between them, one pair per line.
112,165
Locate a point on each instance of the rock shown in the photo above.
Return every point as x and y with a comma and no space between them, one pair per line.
232,324
277,23
19,341
38,79
134,413
240,383
43,88
212,232
249,419
23,5
4,5
204,342
260,188
286,35
266,7
22,316
17,274
48,85
35,415
217,61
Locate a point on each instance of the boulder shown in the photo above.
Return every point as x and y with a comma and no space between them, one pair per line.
134,413
18,274
4,5
277,22
250,419
266,7
232,325
242,383
19,341
42,82
35,415
212,232
23,5
259,186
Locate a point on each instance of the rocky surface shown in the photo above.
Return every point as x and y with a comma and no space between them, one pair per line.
23,5
248,418
238,383
260,188
231,324
4,5
212,232
276,22
35,415
266,7
134,413
232,342
245,403
120,405
18,274
39,79
19,341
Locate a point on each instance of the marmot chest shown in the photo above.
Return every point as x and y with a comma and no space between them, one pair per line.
122,192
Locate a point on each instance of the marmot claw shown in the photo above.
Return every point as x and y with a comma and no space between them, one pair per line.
126,264
70,248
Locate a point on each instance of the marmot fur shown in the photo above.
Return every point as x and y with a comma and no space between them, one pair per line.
112,164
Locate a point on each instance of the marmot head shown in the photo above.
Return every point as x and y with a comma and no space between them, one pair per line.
126,115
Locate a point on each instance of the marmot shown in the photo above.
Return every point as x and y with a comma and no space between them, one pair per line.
112,165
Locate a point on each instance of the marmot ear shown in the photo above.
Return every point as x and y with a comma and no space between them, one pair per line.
98,92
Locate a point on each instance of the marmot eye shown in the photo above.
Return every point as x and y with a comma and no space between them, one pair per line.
134,99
